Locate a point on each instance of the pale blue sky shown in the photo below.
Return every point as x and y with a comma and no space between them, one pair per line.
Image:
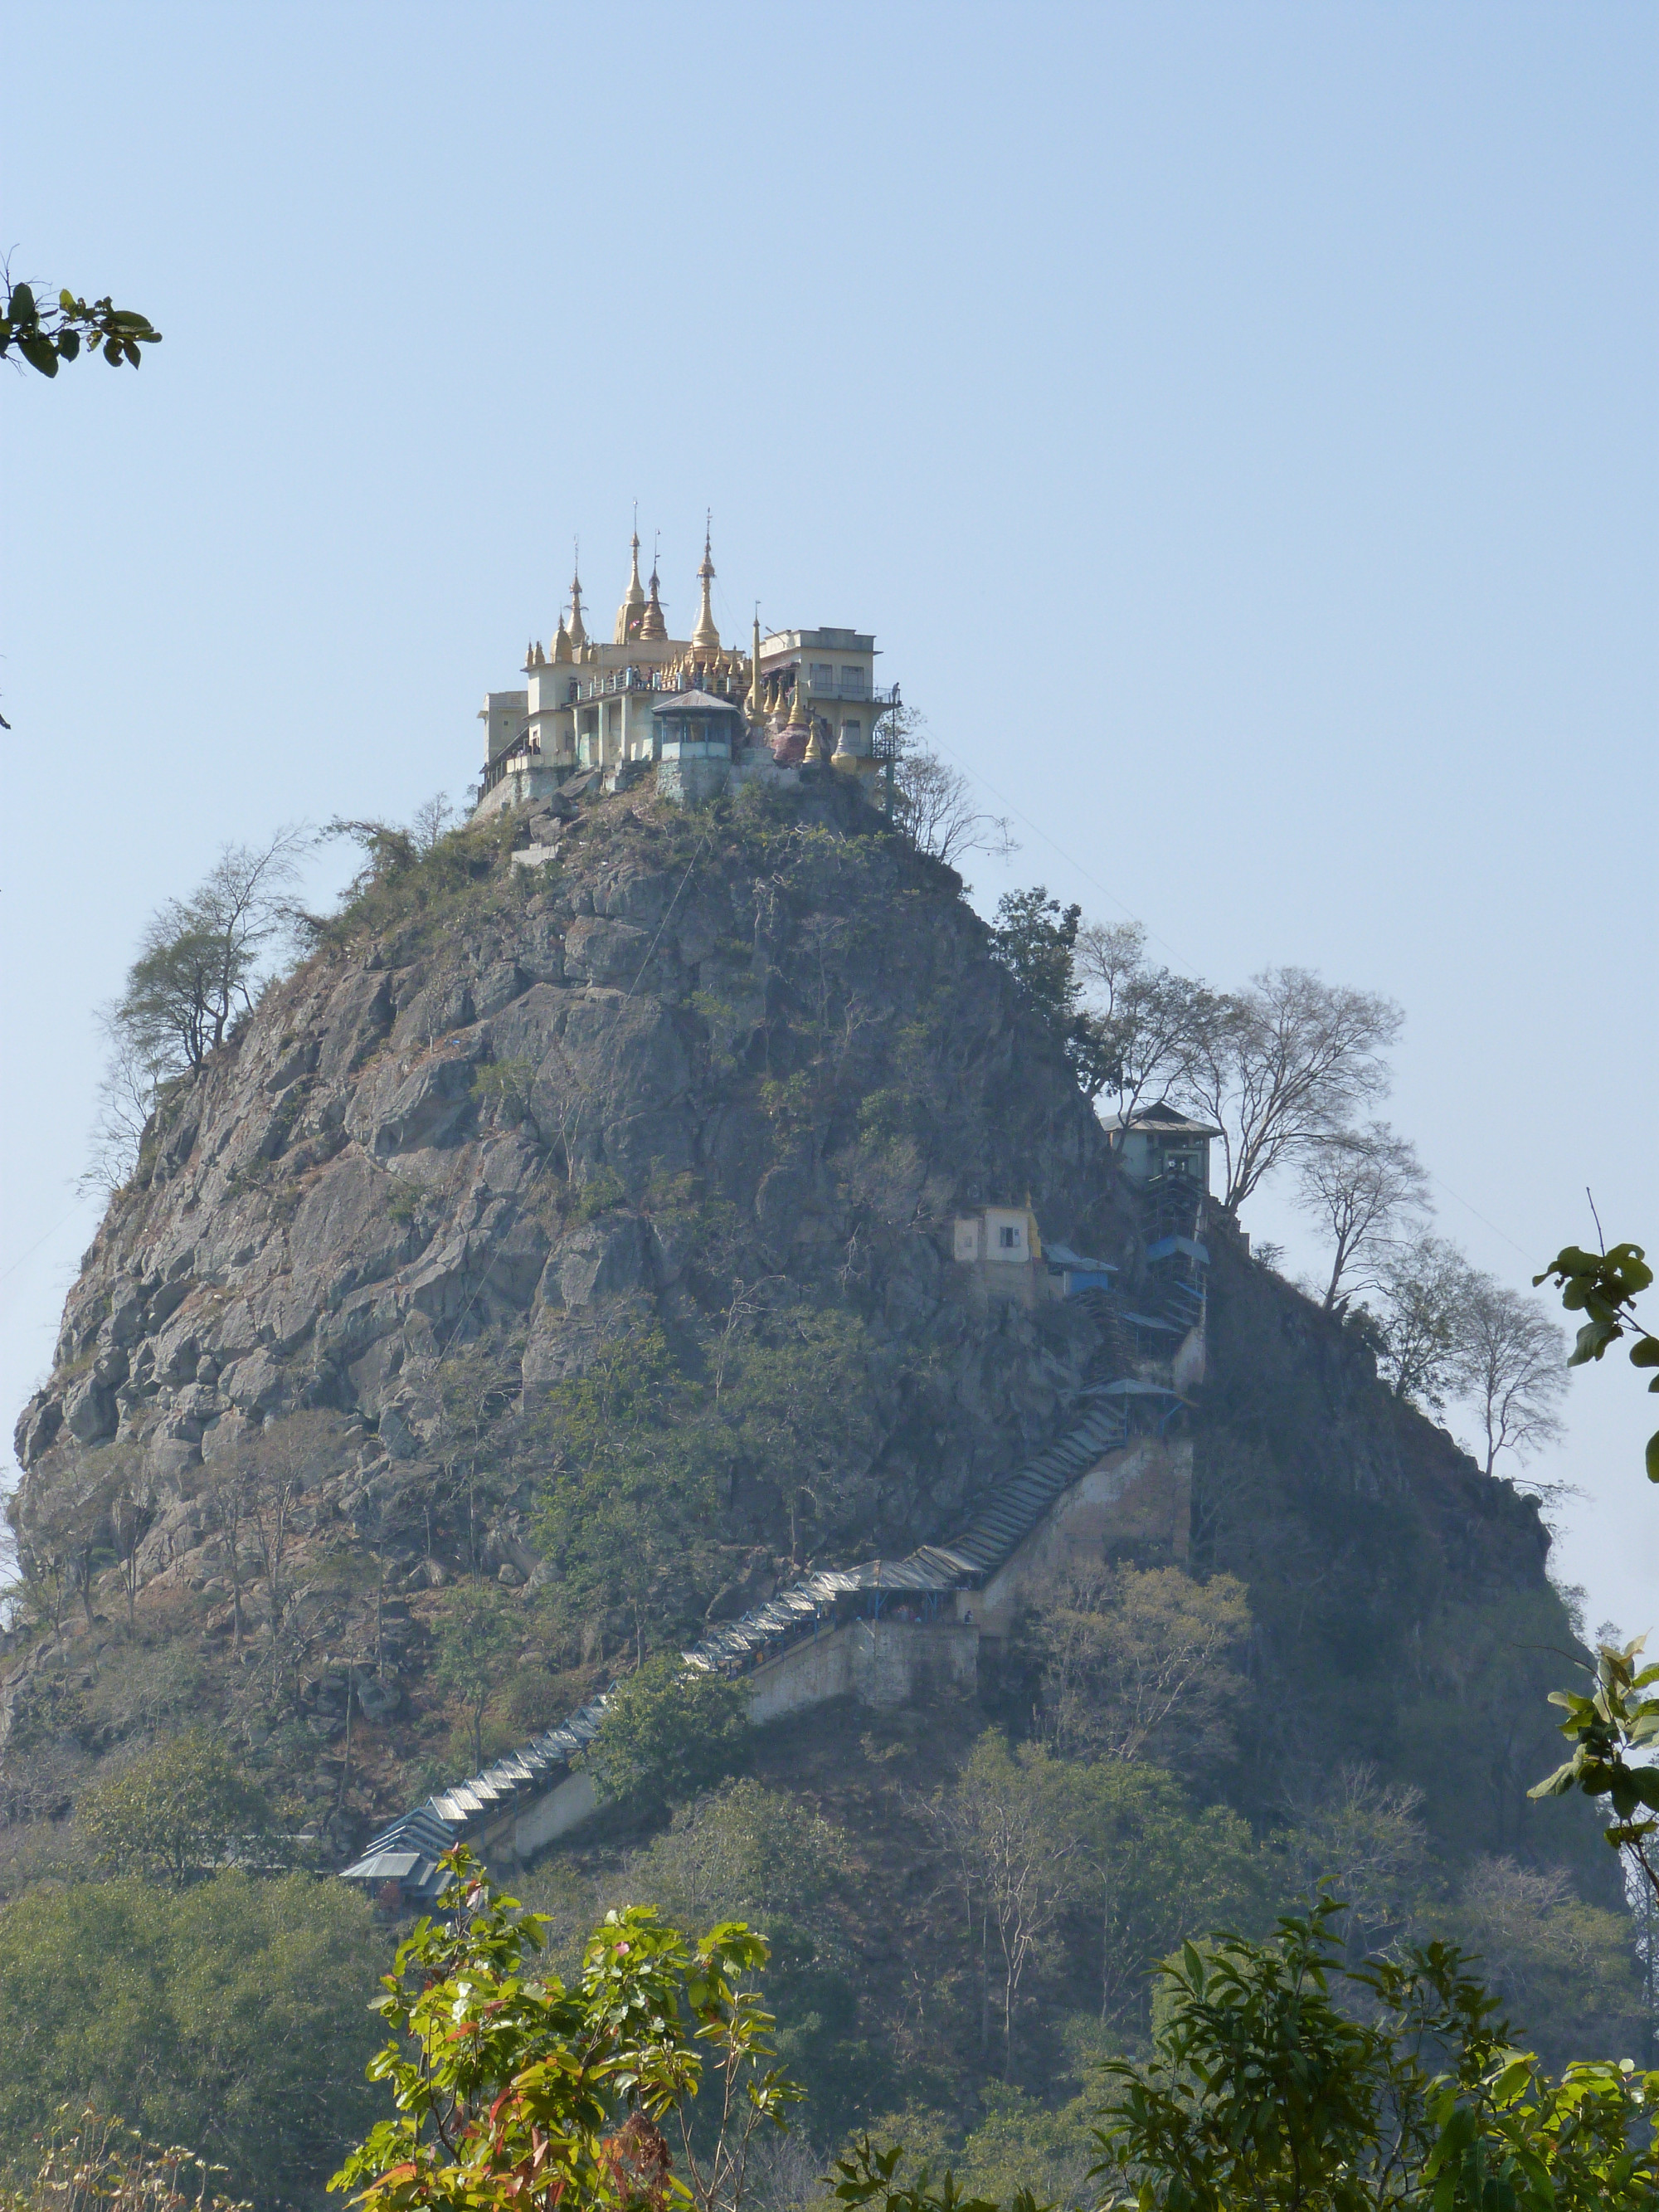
1238,423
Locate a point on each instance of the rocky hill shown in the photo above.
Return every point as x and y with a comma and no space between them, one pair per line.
665,1113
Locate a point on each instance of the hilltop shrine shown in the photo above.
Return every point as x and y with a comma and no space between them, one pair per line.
696,713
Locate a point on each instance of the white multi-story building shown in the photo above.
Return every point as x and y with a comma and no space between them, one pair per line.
794,699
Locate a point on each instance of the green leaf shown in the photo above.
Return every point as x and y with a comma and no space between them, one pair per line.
1644,1352
38,354
1592,1340
69,343
1652,1458
23,309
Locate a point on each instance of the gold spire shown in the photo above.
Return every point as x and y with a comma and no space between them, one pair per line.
562,643
633,600
652,624
799,717
577,631
705,638
754,706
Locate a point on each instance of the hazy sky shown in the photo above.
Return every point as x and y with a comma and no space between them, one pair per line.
1237,422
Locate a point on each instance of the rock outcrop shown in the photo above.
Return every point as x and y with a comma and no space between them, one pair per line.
702,1076
771,1046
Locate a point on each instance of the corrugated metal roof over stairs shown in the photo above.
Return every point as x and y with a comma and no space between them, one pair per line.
417,1838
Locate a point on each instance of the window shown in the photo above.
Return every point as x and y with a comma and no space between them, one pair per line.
1008,1238
823,676
851,684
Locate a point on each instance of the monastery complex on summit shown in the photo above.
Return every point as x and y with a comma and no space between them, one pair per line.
700,714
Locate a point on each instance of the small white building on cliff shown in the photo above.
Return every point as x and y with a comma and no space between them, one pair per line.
698,713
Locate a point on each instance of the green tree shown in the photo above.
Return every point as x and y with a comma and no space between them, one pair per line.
1139,1660
1012,1862
1144,1871
1562,1969
1022,2144
669,1730
44,337
198,966
478,1633
745,1852
637,1480
1034,938
741,1851
801,1409
517,2092
231,2016
1360,1837
183,1806
1263,2090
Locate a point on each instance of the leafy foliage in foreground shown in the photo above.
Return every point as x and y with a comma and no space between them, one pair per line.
1263,2090
523,2091
1604,1287
1614,1720
48,336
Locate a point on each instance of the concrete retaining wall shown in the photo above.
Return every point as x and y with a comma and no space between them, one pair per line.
880,1662
566,1806
808,1674
1137,1499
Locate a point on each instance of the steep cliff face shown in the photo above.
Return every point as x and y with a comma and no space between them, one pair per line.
1404,1618
688,1091
688,1066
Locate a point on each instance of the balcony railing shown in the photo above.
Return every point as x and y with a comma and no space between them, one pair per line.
579,690
873,697
523,750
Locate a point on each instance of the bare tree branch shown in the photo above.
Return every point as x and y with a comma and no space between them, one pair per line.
933,802
199,963
1511,1366
1289,1060
1358,1184
1423,1284
1145,1025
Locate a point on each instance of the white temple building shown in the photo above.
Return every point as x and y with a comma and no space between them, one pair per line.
700,715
